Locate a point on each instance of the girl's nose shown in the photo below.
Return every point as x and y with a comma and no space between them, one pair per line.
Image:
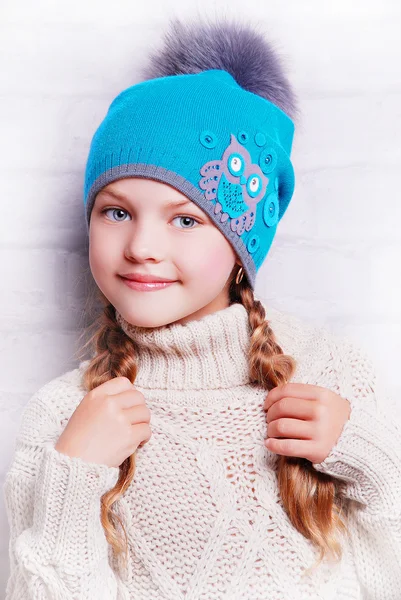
144,244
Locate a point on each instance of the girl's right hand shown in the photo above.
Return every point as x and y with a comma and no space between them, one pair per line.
108,425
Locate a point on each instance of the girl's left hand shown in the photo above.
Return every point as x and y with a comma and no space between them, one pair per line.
309,417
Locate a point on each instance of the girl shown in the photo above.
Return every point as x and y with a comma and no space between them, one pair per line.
211,447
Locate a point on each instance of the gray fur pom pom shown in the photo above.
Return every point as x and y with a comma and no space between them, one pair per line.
232,46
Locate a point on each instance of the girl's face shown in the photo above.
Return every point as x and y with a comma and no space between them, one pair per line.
136,227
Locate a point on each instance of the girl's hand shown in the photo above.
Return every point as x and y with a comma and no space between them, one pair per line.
309,417
108,425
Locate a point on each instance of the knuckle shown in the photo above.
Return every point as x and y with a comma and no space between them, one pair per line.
320,434
317,412
109,405
282,426
146,433
285,390
120,417
142,413
283,404
324,395
139,397
142,428
288,446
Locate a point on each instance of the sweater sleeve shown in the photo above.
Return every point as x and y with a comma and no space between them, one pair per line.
57,548
367,459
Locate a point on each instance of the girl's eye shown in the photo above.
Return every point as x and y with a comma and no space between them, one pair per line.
121,210
187,219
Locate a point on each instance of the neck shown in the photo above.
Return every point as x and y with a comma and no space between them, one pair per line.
206,353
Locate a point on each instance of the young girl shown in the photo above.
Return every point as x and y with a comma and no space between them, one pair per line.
212,447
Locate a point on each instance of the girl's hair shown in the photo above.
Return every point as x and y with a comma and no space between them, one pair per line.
312,500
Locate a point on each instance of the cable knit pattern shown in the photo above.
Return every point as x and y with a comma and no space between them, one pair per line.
203,514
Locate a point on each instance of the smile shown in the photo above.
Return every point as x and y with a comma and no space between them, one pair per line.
147,287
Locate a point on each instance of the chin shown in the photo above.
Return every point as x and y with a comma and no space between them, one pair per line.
150,320
147,318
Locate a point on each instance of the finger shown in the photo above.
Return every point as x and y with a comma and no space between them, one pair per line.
128,398
291,447
114,386
305,391
145,432
138,414
291,428
292,407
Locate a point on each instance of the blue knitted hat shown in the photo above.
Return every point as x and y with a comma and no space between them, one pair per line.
202,122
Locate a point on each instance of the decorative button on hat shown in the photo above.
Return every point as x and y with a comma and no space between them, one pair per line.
215,119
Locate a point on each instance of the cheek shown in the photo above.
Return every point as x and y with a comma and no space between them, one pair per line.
100,256
213,261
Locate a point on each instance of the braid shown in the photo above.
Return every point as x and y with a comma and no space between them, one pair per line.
114,357
311,499
267,359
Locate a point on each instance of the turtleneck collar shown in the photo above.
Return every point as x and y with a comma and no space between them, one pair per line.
206,353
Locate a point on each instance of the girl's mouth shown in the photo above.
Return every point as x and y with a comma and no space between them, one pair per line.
147,287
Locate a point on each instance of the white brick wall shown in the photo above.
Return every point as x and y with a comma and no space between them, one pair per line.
336,257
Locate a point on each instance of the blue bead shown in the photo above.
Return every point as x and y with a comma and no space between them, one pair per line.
208,138
253,244
271,210
268,159
242,137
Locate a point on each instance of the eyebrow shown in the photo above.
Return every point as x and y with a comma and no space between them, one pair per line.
123,198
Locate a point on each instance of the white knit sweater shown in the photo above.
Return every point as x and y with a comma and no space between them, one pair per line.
203,514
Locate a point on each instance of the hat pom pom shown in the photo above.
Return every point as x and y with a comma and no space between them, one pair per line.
234,47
